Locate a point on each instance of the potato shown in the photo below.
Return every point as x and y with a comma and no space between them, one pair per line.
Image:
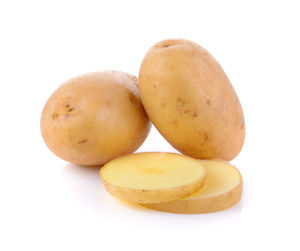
222,189
190,100
94,118
152,177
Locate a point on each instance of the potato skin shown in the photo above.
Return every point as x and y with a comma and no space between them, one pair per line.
153,196
190,100
94,118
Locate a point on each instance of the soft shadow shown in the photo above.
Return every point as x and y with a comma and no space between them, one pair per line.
82,183
85,176
76,167
233,211
133,206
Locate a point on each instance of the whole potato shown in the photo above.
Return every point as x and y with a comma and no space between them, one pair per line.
94,118
190,100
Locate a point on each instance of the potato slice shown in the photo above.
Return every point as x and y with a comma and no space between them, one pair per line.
152,177
222,189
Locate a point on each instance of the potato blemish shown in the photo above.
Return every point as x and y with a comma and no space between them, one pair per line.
83,141
54,115
132,98
205,136
208,102
242,125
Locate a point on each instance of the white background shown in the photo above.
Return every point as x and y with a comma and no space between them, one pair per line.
48,204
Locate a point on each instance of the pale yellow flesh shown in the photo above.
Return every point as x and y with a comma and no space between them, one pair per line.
221,178
146,177
221,190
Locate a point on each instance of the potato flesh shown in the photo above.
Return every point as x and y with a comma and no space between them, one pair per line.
221,190
152,171
153,176
221,178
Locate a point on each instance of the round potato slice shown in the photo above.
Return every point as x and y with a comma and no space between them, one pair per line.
152,177
222,189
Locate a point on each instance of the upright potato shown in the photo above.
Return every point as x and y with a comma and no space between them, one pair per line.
190,100
94,118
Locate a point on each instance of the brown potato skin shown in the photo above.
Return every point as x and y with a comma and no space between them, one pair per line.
94,118
190,100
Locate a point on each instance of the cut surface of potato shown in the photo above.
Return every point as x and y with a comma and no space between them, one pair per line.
222,189
152,177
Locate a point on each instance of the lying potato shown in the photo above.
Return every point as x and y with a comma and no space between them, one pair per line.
222,189
94,118
152,177
190,100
